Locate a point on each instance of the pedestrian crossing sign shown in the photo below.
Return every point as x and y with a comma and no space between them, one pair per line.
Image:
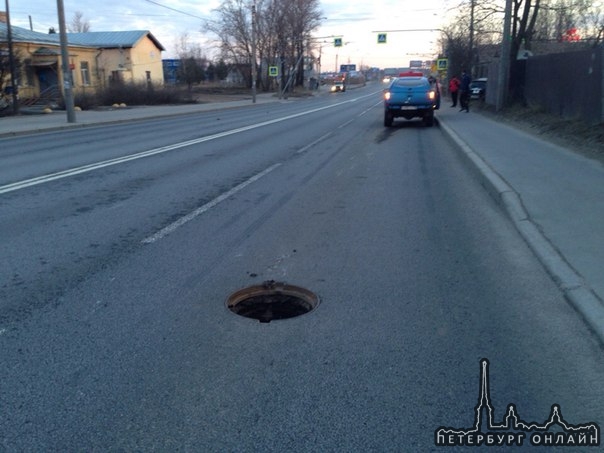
337,42
273,71
381,38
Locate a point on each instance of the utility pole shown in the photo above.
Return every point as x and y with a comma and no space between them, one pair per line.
471,62
504,64
11,59
67,86
254,68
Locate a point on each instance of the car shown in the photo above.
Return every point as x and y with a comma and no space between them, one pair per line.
478,88
390,74
338,85
411,95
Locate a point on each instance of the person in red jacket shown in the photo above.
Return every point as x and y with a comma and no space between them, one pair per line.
454,89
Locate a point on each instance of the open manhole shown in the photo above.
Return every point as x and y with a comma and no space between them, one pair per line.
272,300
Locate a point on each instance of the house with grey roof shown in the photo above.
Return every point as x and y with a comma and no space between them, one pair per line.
96,59
131,56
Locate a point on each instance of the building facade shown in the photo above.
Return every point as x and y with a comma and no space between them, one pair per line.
96,59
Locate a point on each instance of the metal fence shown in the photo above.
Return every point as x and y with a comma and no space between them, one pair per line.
569,84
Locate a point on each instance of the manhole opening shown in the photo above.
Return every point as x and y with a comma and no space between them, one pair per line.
272,301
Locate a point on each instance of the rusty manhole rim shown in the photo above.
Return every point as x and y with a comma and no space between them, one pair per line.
272,301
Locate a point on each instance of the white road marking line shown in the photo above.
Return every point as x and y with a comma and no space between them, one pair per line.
310,145
346,124
370,109
206,207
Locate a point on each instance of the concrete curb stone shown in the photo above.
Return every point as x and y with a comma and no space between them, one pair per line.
574,288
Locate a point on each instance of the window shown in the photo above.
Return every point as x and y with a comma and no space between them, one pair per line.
30,73
115,78
411,82
85,72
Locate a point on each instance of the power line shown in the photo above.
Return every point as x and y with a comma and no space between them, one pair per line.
176,10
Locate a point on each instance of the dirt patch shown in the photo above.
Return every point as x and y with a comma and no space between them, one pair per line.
575,135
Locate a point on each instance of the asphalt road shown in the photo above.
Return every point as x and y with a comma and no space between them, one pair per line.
118,260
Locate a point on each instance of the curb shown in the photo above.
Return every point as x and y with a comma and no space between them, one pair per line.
574,288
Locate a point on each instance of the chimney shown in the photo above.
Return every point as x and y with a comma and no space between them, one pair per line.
3,17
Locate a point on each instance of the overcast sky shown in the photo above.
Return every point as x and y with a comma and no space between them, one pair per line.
357,22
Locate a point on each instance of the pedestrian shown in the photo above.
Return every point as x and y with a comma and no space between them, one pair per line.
464,91
454,89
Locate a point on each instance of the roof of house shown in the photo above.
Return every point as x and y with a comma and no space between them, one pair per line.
112,39
19,34
99,39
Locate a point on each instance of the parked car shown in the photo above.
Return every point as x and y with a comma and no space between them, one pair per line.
478,88
411,95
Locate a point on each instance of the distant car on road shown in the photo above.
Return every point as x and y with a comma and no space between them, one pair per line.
390,74
338,85
478,88
411,95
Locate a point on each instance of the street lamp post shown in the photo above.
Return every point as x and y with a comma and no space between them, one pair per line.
320,52
67,85
254,68
471,56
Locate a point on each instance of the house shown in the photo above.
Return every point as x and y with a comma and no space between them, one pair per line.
123,56
96,59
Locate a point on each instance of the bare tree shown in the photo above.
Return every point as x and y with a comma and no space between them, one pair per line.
570,20
301,17
78,24
233,29
485,18
524,17
476,26
193,63
282,28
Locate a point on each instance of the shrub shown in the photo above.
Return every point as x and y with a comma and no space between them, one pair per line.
130,94
86,100
140,94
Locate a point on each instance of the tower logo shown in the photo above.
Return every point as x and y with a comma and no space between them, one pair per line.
555,431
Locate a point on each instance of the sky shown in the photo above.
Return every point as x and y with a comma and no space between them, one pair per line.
356,22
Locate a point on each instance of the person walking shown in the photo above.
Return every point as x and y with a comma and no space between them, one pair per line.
464,92
454,89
